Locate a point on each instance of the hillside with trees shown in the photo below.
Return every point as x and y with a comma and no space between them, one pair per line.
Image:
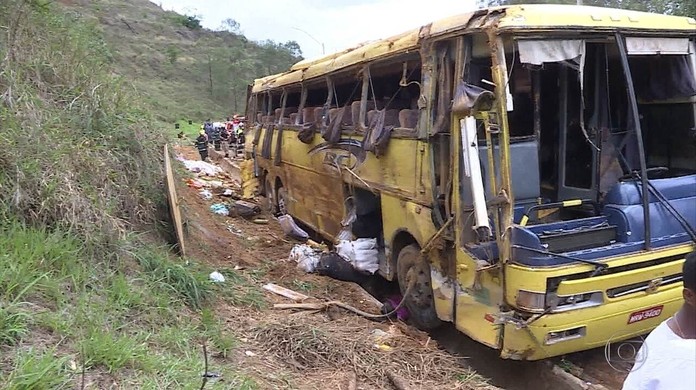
182,69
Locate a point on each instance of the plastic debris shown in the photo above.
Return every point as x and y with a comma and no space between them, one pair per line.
217,277
220,209
227,192
205,194
361,253
336,267
345,234
306,257
392,302
291,229
202,167
260,221
195,183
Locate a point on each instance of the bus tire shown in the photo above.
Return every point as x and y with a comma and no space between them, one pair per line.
419,301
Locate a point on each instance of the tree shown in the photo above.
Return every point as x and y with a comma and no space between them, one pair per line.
670,7
231,25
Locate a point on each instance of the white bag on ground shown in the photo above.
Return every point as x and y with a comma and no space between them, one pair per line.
306,257
290,227
361,253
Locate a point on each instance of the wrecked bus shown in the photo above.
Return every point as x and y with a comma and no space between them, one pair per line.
529,170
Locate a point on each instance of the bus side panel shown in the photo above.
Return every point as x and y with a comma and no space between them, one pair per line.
315,190
479,294
315,199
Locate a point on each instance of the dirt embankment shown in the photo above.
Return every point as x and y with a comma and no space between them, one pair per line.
335,349
325,349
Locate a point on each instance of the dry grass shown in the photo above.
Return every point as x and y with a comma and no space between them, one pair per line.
347,345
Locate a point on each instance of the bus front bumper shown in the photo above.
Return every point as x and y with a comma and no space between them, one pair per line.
557,334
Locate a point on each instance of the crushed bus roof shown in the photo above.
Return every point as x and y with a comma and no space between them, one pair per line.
518,17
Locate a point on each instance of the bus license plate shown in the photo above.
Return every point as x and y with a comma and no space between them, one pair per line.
645,314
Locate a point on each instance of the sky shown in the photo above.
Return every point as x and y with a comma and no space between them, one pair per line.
335,24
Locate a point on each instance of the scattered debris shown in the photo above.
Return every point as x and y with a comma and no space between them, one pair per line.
260,221
361,253
227,192
393,302
290,228
249,353
217,277
215,183
245,209
232,229
336,267
195,183
306,257
211,375
285,292
326,305
202,167
206,195
317,245
220,209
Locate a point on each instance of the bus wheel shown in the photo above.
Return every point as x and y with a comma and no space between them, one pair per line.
419,300
282,201
271,205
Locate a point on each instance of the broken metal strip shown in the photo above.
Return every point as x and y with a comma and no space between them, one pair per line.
639,136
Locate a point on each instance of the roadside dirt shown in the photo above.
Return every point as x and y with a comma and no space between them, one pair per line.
335,349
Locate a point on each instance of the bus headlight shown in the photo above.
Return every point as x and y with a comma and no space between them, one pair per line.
530,301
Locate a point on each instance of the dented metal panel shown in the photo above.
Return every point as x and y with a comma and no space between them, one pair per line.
568,16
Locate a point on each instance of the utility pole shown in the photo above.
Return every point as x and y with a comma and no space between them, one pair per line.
210,74
311,36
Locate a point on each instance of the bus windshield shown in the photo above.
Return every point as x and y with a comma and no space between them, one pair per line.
593,130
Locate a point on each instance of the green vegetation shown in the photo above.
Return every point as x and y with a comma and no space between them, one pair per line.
183,71
87,292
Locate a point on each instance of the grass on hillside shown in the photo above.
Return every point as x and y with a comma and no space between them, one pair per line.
82,296
174,66
135,323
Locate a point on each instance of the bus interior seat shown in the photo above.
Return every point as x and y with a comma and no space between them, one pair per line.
346,120
308,115
318,113
623,208
391,117
355,109
408,118
293,117
524,163
286,113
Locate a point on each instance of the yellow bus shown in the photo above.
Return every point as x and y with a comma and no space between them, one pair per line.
501,160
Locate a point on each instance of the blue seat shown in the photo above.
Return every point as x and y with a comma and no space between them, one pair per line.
524,163
624,208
